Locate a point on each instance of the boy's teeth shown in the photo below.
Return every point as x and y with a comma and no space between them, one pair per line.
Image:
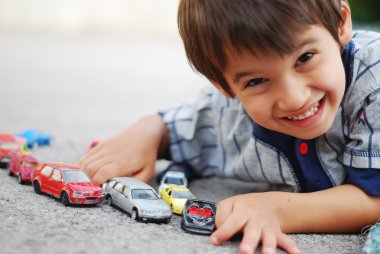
308,114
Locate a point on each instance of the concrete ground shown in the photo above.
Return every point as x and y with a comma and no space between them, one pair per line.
78,88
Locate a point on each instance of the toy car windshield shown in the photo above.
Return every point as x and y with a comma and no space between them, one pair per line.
199,212
182,194
174,180
144,194
75,176
31,164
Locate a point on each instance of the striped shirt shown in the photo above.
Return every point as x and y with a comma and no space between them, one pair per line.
213,135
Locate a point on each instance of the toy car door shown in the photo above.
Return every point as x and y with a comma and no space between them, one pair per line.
117,196
55,183
44,176
127,199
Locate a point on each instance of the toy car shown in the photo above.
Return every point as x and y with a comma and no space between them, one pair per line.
34,137
137,199
176,197
172,178
22,165
199,217
8,144
66,182
178,167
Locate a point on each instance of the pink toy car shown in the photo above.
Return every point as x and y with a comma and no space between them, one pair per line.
23,166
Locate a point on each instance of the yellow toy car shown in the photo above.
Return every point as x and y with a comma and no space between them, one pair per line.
176,197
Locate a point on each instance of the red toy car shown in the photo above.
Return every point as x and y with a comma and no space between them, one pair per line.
22,165
66,182
8,144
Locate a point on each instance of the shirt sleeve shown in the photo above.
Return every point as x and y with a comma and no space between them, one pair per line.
361,156
198,130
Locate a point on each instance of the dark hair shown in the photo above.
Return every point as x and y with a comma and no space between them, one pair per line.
208,26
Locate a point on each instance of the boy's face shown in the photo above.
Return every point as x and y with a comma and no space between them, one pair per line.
298,93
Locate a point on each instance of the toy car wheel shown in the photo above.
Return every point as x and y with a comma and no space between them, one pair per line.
19,177
108,200
65,199
135,215
10,173
37,187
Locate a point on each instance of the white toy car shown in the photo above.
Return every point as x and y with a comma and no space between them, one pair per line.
173,178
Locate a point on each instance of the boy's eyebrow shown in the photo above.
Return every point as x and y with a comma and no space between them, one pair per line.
241,75
309,40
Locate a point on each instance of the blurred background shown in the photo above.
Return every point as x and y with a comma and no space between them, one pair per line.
87,68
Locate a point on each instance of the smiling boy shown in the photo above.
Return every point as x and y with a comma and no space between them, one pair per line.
299,112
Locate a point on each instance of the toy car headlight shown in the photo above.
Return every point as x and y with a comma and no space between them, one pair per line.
77,194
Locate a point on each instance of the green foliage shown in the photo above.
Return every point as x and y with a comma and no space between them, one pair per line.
365,11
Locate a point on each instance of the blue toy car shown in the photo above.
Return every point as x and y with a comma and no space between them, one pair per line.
35,137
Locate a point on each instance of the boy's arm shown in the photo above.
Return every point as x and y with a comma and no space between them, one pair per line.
345,208
266,217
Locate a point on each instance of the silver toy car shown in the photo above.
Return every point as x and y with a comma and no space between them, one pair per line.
136,198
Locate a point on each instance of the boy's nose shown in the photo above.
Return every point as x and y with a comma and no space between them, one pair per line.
292,94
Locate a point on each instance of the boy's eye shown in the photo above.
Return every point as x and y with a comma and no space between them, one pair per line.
256,81
304,58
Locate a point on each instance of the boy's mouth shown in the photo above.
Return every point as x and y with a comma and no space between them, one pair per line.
311,112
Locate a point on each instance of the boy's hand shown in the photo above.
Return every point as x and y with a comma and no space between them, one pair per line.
257,216
131,153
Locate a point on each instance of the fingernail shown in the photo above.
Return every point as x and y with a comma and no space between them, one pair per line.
295,250
214,240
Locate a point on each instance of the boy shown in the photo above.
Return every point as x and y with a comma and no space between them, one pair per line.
300,115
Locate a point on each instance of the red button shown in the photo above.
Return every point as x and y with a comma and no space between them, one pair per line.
303,148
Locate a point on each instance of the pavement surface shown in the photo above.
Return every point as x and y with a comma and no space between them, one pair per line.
78,88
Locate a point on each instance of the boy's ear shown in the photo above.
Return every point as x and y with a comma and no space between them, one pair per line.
345,28
221,89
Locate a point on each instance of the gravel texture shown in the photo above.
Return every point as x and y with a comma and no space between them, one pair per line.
81,88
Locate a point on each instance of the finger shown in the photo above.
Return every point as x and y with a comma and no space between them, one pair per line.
269,242
93,167
250,239
230,227
106,173
144,174
92,155
223,210
86,160
288,244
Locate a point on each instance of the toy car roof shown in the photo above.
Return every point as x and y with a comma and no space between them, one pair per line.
175,173
7,137
61,165
132,183
29,158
